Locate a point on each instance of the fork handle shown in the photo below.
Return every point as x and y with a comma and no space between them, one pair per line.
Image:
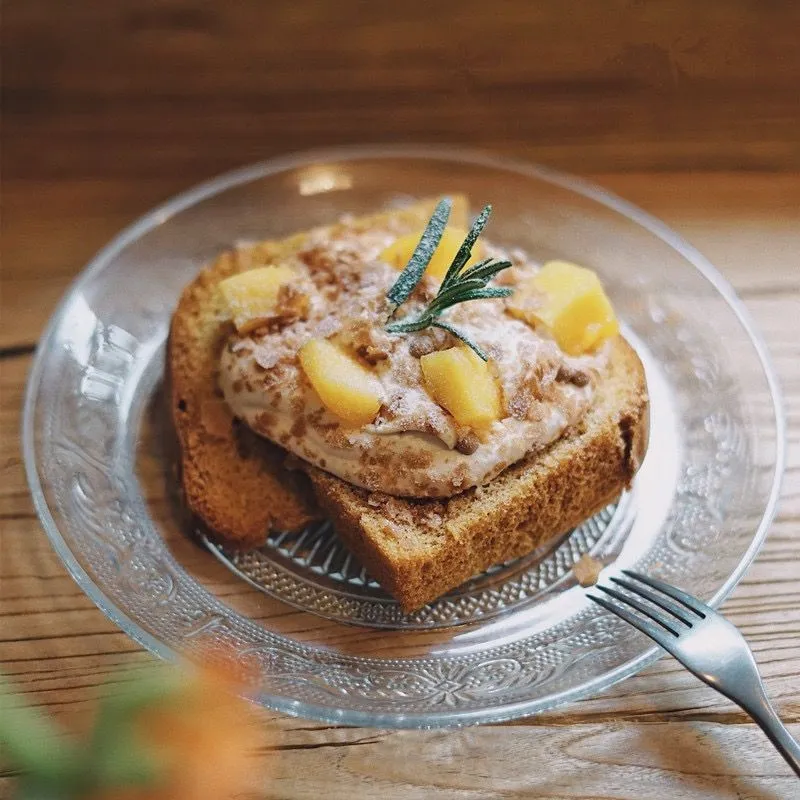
761,710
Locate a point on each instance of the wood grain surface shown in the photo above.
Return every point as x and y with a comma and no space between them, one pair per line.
689,109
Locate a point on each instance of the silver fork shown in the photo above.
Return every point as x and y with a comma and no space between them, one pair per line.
705,643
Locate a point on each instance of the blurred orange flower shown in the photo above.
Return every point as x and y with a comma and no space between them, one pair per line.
205,741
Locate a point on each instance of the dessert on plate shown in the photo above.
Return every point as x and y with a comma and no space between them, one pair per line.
448,404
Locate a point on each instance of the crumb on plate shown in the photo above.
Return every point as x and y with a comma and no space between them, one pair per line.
587,570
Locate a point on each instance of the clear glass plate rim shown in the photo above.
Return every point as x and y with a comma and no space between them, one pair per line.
361,152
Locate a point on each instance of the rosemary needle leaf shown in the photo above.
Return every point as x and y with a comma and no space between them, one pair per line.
471,294
485,270
475,267
465,251
412,273
464,338
457,289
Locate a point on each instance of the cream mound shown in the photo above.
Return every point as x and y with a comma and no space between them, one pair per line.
413,447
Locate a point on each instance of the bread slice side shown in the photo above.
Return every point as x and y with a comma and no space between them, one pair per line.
233,481
420,549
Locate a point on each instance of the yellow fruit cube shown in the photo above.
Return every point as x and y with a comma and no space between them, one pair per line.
252,296
400,251
570,302
346,388
461,382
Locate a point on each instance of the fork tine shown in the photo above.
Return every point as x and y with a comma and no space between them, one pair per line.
650,613
677,611
647,628
682,597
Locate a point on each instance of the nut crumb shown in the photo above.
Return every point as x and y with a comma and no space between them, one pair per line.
577,377
427,342
467,443
587,570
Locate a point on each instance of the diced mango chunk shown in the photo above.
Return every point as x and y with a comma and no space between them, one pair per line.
400,251
347,389
461,382
252,296
570,302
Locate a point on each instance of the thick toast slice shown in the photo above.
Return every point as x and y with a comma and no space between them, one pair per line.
237,484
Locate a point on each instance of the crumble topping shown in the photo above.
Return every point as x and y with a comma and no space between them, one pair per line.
413,447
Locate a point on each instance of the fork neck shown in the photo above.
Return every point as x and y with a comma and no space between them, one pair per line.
758,706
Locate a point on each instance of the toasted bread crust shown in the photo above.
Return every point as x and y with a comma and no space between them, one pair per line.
236,483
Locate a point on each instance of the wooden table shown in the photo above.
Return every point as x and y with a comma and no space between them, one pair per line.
692,112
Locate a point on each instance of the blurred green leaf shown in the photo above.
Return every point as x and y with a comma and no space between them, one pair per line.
31,788
54,766
32,743
118,755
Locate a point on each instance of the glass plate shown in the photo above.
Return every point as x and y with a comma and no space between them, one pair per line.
516,640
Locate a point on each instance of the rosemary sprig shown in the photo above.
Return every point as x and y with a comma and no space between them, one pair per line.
458,286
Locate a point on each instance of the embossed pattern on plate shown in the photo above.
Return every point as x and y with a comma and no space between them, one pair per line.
313,571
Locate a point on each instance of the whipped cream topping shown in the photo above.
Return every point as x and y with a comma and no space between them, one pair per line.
413,447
